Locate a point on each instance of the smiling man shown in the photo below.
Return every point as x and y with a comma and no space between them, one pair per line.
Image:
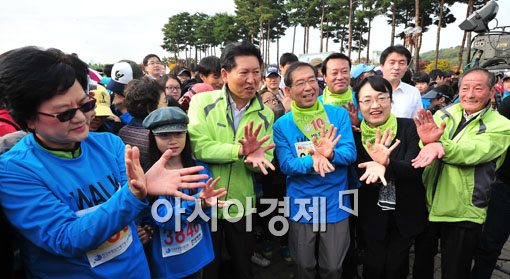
315,163
220,128
337,74
469,137
406,98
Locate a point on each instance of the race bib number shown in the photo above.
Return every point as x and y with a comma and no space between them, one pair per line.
176,243
114,246
303,148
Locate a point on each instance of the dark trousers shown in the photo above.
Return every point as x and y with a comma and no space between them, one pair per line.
459,241
239,245
495,231
387,258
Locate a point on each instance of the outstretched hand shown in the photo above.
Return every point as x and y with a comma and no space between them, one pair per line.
258,159
211,196
428,154
250,143
374,172
321,164
326,144
166,182
353,114
427,129
381,149
136,178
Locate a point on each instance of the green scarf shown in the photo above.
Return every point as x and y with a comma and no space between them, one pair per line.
368,133
310,120
335,99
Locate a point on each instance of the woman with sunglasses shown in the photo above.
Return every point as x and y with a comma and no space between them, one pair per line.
392,198
72,195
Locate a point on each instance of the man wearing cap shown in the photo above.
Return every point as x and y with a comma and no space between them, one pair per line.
221,132
272,79
184,75
469,138
406,98
122,72
438,97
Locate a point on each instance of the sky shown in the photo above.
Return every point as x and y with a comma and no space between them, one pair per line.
108,31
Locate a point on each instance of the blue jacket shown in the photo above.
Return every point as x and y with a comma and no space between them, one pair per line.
74,217
302,181
174,264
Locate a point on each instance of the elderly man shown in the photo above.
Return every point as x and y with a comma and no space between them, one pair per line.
470,138
406,98
315,163
221,133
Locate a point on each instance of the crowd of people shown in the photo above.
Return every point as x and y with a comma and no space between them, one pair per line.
196,174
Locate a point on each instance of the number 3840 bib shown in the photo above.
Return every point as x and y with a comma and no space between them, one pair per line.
176,243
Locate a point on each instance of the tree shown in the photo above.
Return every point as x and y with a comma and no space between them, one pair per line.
177,33
444,17
442,64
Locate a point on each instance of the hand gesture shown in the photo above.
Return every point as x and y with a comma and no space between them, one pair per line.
258,159
210,196
286,101
326,145
144,233
427,129
166,182
321,164
250,143
374,172
134,172
380,151
353,114
428,154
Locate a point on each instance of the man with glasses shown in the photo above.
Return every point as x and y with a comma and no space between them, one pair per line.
315,161
406,98
153,67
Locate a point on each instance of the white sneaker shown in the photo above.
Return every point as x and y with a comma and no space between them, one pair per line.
259,260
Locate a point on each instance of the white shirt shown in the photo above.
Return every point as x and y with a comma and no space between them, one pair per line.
237,114
406,101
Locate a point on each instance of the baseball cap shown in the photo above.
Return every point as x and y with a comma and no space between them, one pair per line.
506,76
123,72
438,92
316,61
359,69
166,120
271,69
102,101
184,71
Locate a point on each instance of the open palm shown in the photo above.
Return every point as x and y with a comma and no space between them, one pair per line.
427,129
326,144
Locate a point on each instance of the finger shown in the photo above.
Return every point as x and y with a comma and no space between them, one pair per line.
263,139
314,140
397,142
428,115
183,196
355,128
417,121
269,164
321,169
315,166
191,170
388,139
164,158
321,133
383,180
443,125
260,165
337,139
362,165
269,147
191,185
330,132
257,130
369,145
215,181
378,136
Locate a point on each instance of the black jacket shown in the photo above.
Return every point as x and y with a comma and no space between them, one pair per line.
410,214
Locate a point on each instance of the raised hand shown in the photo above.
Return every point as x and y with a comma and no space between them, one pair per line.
380,151
166,182
134,172
427,129
326,145
249,142
211,196
353,114
428,154
321,164
374,172
286,101
258,159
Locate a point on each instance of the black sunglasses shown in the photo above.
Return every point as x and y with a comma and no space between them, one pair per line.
70,113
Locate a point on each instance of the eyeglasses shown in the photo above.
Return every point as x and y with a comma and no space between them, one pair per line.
70,113
301,83
273,100
152,63
173,88
379,100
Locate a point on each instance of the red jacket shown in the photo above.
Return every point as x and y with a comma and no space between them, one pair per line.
7,124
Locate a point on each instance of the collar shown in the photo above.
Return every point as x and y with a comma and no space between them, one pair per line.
233,104
61,153
474,115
